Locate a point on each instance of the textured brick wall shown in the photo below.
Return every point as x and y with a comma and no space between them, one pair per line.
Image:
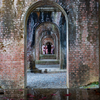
84,51
11,45
83,41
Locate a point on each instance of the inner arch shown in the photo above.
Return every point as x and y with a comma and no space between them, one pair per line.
33,7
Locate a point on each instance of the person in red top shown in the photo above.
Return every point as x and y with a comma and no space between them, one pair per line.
46,48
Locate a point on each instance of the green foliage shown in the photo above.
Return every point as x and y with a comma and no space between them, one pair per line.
92,85
95,83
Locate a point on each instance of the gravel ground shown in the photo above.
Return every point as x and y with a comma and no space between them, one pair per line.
48,80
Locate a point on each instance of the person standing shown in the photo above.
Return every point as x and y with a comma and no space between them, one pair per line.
52,49
43,49
46,48
49,48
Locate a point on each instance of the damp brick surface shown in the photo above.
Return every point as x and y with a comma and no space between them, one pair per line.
83,40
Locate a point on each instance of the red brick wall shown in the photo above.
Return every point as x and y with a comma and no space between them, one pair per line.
84,52
83,32
12,64
11,46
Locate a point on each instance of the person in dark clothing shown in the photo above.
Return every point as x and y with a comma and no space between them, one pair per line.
49,48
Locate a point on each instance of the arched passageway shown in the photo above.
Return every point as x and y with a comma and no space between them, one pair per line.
35,16
42,37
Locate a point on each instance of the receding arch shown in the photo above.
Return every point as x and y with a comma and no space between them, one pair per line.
43,28
44,41
30,9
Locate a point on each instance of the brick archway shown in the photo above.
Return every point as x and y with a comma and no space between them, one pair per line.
31,8
41,31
